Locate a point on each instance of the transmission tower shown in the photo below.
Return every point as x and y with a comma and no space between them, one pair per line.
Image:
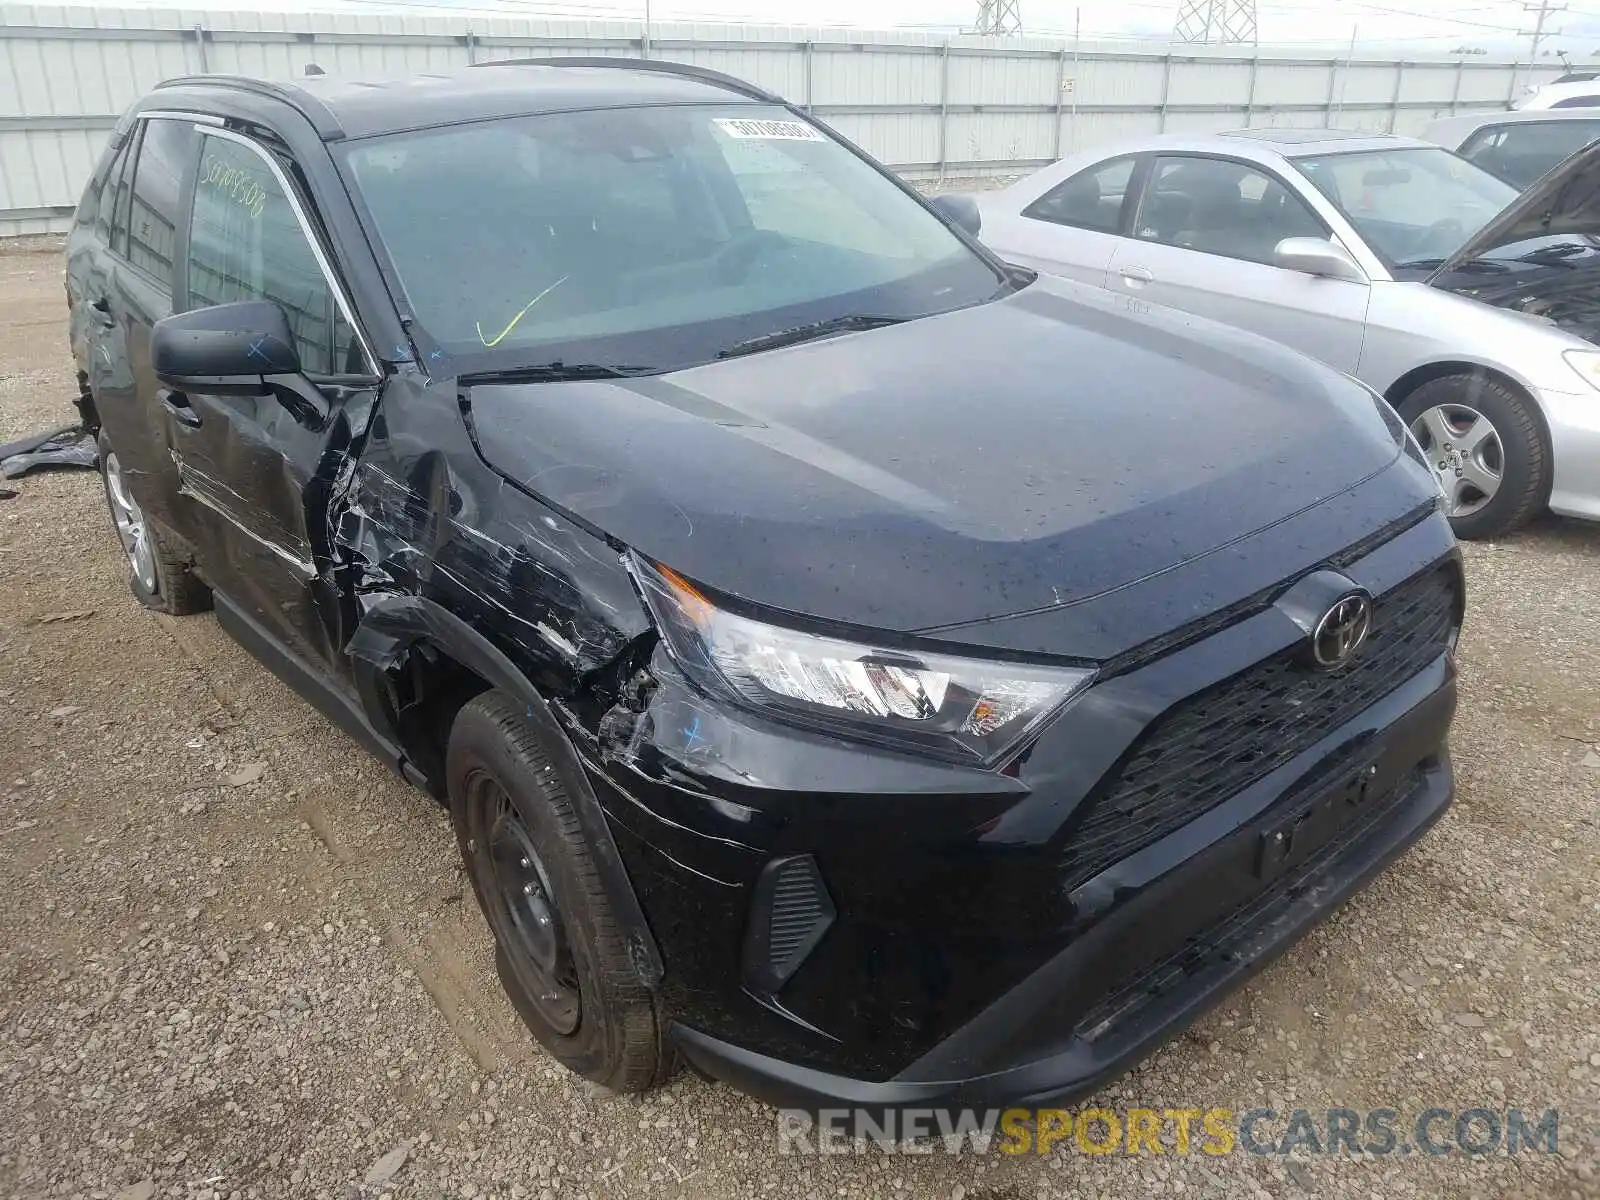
1216,22
999,17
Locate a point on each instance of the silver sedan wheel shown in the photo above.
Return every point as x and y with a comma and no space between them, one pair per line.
131,526
1465,453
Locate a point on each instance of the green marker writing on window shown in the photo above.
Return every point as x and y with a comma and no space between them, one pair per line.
489,343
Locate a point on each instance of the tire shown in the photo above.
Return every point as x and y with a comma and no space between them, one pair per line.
559,949
1443,414
160,574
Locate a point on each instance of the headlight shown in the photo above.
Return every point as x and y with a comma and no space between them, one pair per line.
1587,364
961,708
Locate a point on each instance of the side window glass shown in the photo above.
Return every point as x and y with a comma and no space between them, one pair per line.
245,243
346,357
121,192
1577,102
164,155
1091,199
105,213
1222,207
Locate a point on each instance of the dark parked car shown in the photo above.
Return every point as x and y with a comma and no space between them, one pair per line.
1517,147
878,674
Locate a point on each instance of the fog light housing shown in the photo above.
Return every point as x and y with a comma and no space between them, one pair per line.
789,913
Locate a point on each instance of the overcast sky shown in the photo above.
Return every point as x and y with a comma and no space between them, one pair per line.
1438,26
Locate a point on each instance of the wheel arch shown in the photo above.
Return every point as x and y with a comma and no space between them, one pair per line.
84,402
1534,494
1402,387
415,665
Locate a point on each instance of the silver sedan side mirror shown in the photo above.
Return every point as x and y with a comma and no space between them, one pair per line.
1317,256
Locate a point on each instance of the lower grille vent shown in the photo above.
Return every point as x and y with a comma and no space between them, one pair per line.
790,913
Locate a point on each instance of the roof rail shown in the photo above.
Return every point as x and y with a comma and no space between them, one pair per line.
314,110
703,74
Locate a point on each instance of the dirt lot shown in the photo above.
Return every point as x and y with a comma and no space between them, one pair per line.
240,959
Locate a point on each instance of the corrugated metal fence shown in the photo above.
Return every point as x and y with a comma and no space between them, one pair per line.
926,105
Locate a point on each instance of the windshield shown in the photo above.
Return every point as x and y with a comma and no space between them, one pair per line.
648,237
1414,207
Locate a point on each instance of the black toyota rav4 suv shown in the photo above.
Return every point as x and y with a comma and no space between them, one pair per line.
877,674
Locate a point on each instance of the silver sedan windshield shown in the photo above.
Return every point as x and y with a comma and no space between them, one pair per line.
1415,206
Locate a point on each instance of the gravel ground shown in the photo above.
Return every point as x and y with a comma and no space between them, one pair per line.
240,959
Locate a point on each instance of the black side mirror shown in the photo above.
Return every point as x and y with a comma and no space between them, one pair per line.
241,349
959,210
225,348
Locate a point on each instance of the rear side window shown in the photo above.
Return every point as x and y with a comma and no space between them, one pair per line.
165,152
1091,199
121,192
245,243
1521,153
106,202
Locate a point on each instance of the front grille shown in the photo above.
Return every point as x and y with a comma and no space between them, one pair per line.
1220,741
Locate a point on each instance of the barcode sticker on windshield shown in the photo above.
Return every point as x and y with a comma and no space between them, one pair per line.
783,131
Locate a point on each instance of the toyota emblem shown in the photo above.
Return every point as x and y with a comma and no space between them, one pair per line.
1341,631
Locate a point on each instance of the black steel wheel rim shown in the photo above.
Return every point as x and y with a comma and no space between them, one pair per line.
527,922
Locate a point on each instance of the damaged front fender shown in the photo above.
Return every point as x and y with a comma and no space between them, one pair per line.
453,580
423,515
398,627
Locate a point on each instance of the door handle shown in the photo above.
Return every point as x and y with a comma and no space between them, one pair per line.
1136,276
178,405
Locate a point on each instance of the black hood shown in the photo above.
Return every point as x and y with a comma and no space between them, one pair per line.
1025,453
1541,255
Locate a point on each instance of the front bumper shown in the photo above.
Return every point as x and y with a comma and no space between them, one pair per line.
973,952
1036,1045
1574,421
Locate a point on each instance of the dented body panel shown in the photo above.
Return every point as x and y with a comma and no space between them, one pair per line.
1045,476
423,515
263,506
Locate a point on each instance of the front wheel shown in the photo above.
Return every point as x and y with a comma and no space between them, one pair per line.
1486,446
559,947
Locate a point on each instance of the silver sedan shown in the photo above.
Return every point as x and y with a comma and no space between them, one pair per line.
1476,314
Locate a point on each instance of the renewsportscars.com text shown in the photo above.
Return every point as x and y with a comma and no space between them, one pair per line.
1211,1131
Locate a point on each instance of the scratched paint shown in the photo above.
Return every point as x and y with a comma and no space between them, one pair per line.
420,513
244,516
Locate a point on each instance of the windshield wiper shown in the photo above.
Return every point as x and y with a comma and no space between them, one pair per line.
805,333
557,372
1555,256
1546,256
